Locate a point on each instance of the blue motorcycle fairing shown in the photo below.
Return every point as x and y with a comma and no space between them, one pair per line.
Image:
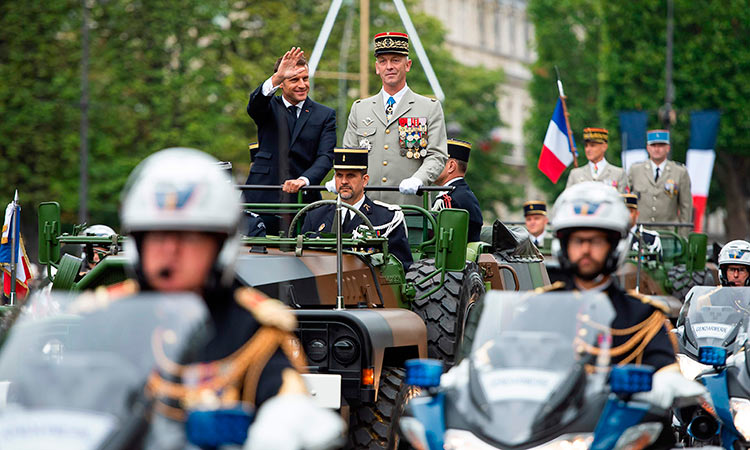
430,411
717,387
618,416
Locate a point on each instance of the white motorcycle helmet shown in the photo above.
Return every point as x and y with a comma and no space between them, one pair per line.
182,189
591,205
98,230
733,253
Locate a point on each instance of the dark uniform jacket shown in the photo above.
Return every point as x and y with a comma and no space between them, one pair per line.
630,313
284,154
321,220
463,198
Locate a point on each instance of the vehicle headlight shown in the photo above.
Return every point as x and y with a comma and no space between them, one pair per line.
639,436
740,408
462,439
689,367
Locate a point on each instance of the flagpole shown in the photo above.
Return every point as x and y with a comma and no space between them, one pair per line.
13,255
567,119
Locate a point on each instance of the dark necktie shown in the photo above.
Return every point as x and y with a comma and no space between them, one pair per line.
536,242
347,221
656,177
292,117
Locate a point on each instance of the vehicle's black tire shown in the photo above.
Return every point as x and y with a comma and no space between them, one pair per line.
375,426
444,311
682,280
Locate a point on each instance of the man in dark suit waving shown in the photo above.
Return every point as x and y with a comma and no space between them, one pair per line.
296,135
351,178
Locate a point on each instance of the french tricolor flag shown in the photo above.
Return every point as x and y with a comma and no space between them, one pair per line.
704,126
556,154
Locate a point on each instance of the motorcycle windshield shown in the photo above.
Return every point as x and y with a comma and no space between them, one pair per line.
716,316
535,359
73,368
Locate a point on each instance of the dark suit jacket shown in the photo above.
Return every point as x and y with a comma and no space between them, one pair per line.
463,198
284,154
321,220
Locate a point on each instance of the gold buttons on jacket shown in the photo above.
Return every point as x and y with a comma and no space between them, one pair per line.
385,179
385,163
385,146
387,131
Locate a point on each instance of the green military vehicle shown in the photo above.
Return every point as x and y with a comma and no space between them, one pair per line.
356,340
680,266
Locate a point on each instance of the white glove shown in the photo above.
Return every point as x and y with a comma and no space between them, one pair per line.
670,385
410,185
294,422
331,185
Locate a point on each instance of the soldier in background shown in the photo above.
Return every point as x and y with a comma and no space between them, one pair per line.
662,185
461,197
651,240
404,131
598,169
535,215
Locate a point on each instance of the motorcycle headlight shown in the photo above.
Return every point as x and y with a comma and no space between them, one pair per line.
462,439
740,408
569,442
639,436
689,367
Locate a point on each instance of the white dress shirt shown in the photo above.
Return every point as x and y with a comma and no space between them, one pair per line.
661,167
396,97
598,168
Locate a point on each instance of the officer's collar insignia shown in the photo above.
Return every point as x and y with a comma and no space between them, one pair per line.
367,207
322,225
367,121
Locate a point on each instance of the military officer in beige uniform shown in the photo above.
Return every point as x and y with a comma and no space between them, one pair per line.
662,185
404,131
598,169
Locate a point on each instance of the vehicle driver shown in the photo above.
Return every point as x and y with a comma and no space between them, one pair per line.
350,166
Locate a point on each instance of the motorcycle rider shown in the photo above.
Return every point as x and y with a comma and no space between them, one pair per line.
182,214
734,264
591,223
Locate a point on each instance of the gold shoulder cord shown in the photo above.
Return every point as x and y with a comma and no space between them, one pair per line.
249,360
642,332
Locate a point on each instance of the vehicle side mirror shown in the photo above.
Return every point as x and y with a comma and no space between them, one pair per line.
452,239
49,230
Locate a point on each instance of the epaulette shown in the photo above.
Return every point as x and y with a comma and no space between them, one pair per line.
387,205
556,286
267,311
655,302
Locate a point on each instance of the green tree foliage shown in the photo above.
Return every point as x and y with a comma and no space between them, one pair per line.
612,56
168,73
568,34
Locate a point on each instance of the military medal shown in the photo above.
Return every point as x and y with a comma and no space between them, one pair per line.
365,143
409,154
671,188
416,155
423,153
